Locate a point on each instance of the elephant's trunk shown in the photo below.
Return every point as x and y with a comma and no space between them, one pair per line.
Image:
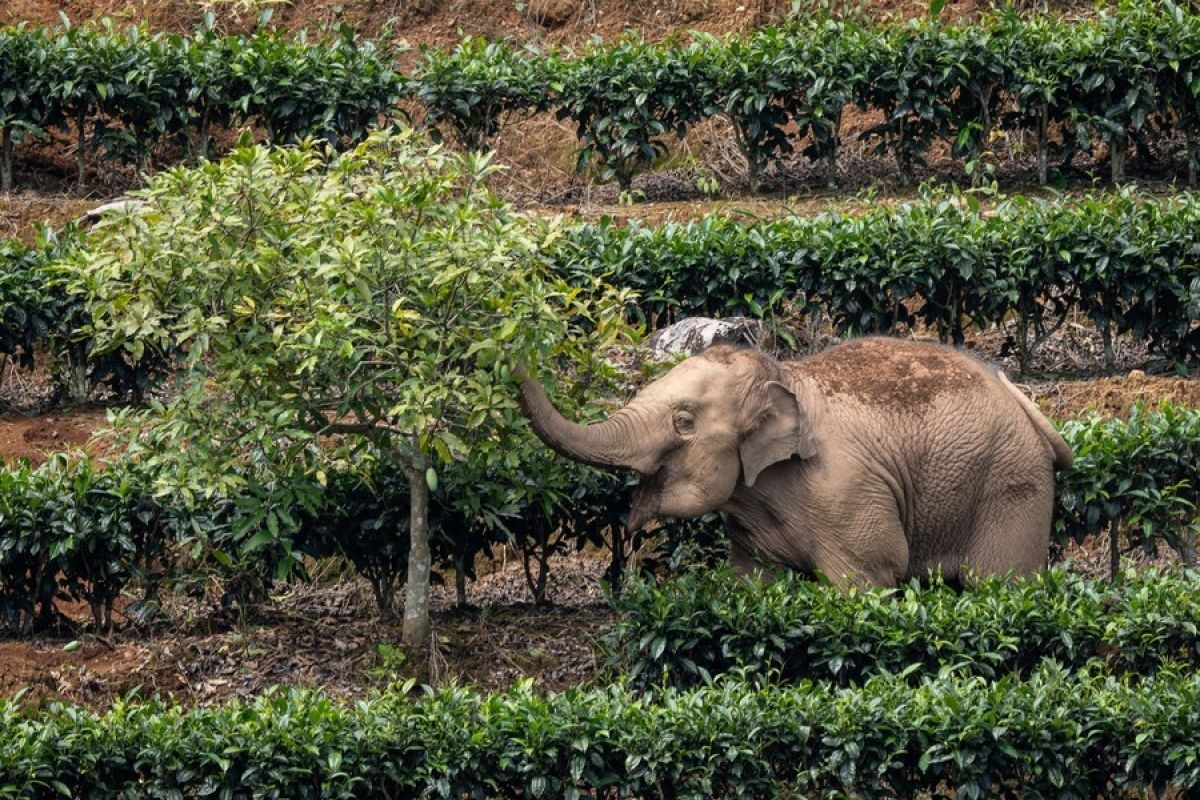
611,443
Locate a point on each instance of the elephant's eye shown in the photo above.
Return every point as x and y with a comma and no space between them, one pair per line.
685,423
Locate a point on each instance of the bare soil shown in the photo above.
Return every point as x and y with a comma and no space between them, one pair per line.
1113,397
35,437
560,23
324,636
21,215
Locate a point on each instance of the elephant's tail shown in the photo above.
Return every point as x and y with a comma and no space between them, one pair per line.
1063,457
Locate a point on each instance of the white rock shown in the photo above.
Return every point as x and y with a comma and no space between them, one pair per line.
695,334
123,205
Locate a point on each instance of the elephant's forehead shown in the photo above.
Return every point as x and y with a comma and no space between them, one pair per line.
694,380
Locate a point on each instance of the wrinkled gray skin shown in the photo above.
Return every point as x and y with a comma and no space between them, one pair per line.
872,462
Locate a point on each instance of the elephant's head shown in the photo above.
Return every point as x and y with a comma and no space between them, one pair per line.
714,420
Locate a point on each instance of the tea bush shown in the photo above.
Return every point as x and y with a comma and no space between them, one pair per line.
71,530
1126,261
1054,735
1121,78
684,631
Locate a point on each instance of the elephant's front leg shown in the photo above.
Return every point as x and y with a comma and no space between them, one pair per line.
865,548
741,553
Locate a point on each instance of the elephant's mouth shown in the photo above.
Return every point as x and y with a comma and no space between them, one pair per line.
646,500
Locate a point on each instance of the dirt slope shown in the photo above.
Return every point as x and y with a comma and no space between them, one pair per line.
562,23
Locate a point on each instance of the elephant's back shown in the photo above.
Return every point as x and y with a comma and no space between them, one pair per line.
942,426
894,375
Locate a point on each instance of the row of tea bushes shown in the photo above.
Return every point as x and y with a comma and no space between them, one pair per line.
698,625
70,529
1117,79
1054,735
126,92
75,530
1128,262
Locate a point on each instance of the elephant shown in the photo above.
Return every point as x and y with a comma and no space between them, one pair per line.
876,461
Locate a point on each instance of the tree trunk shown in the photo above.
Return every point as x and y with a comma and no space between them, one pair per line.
1193,151
625,181
832,153
985,135
1110,356
80,144
1114,544
78,388
1043,146
6,160
904,157
416,599
616,568
460,581
383,587
1023,354
1116,158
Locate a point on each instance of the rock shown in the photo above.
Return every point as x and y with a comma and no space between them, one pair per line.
125,204
551,13
694,334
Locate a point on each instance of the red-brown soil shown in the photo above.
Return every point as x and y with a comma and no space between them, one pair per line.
326,636
36,437
438,22
22,214
1113,397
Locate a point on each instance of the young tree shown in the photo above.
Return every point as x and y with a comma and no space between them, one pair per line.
376,298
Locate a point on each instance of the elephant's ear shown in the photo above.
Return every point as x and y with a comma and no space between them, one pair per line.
779,431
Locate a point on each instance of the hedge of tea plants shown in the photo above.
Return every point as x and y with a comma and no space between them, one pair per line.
686,630
1054,735
1118,80
41,316
1129,263
73,530
125,92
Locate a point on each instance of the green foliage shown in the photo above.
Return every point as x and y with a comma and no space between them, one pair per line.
1055,735
41,315
73,530
1124,260
380,296
1141,473
624,98
393,303
70,529
1120,77
337,88
476,88
128,91
755,83
27,313
25,106
703,624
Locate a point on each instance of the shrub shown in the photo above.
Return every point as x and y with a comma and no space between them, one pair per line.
683,631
